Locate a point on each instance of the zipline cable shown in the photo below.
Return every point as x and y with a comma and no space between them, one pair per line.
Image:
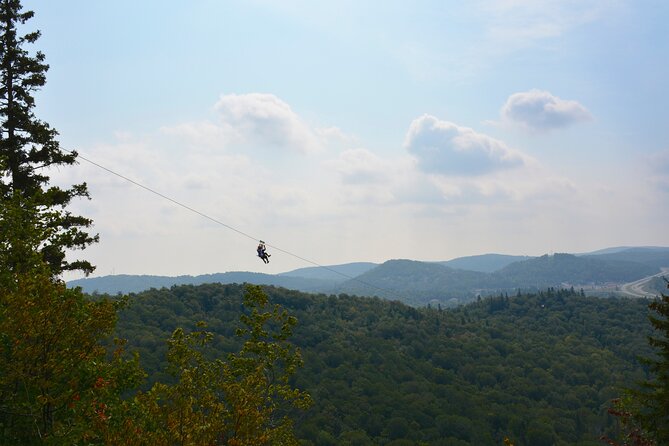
202,214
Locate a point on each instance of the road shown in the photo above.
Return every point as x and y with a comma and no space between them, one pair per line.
635,289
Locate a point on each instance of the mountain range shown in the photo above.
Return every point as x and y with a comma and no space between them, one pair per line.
420,283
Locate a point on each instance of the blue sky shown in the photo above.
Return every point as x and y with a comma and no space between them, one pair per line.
360,131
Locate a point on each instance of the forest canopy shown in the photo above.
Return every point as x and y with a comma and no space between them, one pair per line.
539,369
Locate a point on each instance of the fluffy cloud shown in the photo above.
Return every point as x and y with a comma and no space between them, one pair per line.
265,119
539,110
334,134
442,147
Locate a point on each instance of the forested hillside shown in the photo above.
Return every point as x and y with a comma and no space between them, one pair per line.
418,283
538,369
486,263
567,268
652,256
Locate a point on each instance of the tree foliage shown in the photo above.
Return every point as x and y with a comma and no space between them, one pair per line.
28,146
55,377
244,399
539,367
655,392
644,411
60,385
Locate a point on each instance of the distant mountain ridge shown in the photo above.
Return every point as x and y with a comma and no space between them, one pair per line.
486,263
416,283
619,249
653,256
568,269
419,283
335,273
126,283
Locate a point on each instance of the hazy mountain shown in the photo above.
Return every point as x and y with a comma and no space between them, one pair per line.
486,263
123,283
575,270
652,256
419,283
128,283
618,249
336,273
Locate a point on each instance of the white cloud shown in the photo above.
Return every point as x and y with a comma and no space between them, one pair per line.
539,110
212,166
466,189
487,177
444,148
334,134
265,119
254,121
469,169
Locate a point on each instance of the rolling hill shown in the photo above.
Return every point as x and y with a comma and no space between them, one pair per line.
420,283
417,283
563,269
655,257
486,263
334,273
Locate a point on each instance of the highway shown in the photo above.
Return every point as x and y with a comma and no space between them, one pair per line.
636,288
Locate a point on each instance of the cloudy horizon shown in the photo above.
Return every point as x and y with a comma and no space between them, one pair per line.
434,131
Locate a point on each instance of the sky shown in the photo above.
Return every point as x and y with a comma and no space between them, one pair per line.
345,131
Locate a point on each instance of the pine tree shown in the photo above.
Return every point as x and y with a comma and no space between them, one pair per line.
654,394
28,147
643,413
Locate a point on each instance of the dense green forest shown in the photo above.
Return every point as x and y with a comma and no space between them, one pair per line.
539,369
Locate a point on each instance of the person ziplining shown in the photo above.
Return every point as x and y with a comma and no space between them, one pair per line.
262,252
